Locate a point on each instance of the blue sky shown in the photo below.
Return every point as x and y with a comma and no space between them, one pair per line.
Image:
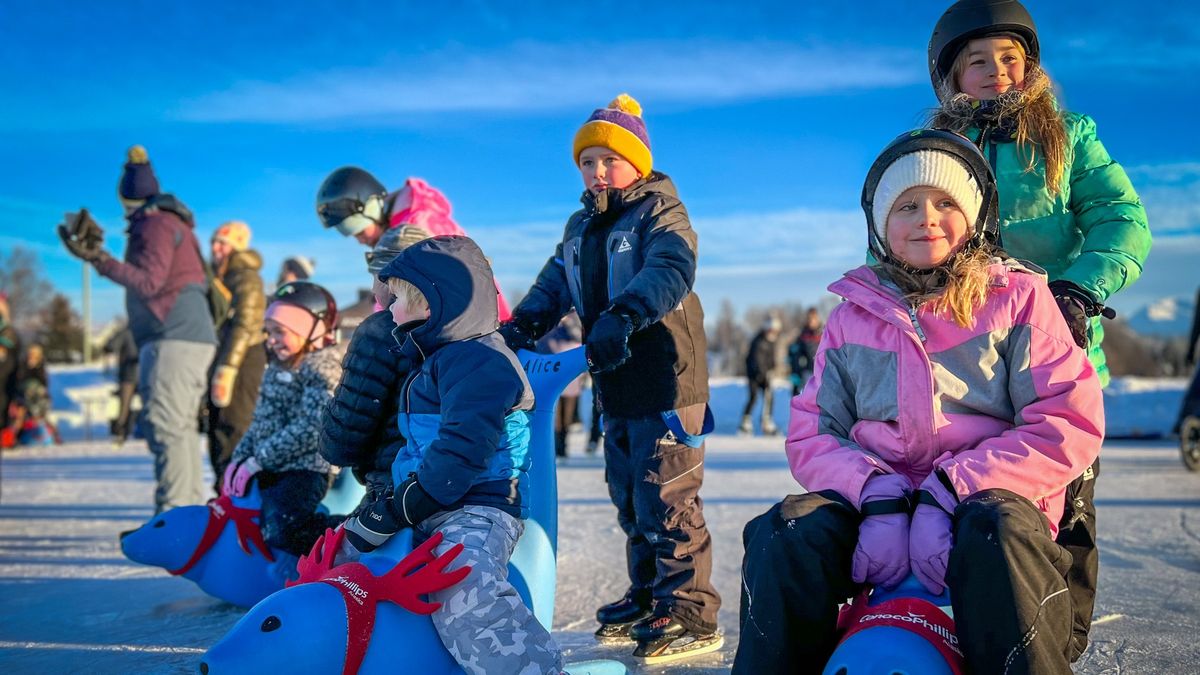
767,116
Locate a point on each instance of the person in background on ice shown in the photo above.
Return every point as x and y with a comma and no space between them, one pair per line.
167,304
803,349
760,365
241,357
627,263
295,268
32,403
464,411
124,349
356,204
359,427
10,358
567,335
1065,204
279,450
947,379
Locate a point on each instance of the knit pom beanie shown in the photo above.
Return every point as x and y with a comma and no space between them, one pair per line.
138,181
235,233
620,128
931,168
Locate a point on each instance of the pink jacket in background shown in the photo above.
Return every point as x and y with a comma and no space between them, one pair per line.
1011,403
419,203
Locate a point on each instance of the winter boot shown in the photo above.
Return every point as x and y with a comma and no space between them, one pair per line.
747,427
616,618
661,638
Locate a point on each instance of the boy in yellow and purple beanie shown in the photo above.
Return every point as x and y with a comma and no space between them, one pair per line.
627,263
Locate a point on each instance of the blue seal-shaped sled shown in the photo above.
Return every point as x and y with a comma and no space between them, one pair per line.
904,631
219,545
367,617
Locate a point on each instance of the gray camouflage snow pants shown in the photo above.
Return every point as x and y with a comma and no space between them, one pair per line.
482,621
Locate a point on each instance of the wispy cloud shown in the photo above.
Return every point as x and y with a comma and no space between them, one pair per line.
538,76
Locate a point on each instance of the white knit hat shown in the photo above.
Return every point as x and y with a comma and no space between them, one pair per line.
926,167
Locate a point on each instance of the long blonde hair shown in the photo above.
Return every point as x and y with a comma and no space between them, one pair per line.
1038,120
953,290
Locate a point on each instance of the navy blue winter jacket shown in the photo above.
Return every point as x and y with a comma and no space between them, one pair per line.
632,251
464,405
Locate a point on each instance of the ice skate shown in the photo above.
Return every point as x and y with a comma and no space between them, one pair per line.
661,638
747,427
618,618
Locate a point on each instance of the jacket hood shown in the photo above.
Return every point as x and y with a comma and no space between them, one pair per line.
165,202
244,260
456,279
616,199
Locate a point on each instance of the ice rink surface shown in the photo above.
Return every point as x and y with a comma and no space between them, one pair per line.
71,603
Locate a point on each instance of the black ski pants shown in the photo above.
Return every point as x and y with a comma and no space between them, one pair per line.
654,481
1006,577
227,425
1077,534
289,518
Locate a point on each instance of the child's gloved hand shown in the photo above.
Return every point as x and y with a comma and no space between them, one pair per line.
932,534
221,389
608,341
407,506
237,476
516,335
1078,307
881,556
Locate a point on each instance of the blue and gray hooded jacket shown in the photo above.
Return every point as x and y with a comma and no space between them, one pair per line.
463,407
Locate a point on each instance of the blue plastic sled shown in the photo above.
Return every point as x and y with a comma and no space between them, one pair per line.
310,623
904,631
219,546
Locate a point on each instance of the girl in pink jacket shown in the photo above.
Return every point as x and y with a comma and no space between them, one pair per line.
947,381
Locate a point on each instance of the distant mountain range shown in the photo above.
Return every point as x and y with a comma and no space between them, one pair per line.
1166,318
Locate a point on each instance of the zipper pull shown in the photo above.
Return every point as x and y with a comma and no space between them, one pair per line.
912,314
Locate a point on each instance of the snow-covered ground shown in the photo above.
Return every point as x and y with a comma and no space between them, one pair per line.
72,603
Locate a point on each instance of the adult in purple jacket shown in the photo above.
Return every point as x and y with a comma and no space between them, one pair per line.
166,299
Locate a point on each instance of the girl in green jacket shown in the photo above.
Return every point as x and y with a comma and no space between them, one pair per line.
1064,203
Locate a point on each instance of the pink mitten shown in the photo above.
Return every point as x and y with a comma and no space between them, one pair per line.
881,556
932,534
241,478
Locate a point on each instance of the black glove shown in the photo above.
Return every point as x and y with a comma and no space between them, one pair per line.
409,505
83,237
377,482
1078,308
608,341
517,335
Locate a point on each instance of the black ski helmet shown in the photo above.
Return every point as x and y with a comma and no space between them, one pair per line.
970,19
346,192
314,299
986,227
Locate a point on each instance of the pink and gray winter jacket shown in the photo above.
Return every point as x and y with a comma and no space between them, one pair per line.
1010,403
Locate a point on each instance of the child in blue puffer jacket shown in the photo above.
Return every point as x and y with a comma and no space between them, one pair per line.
464,470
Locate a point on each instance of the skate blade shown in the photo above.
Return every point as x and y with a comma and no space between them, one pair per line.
615,634
665,651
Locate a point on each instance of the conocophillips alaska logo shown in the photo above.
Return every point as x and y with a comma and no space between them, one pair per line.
919,620
352,588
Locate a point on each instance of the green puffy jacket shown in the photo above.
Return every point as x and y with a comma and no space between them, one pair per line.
1093,232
